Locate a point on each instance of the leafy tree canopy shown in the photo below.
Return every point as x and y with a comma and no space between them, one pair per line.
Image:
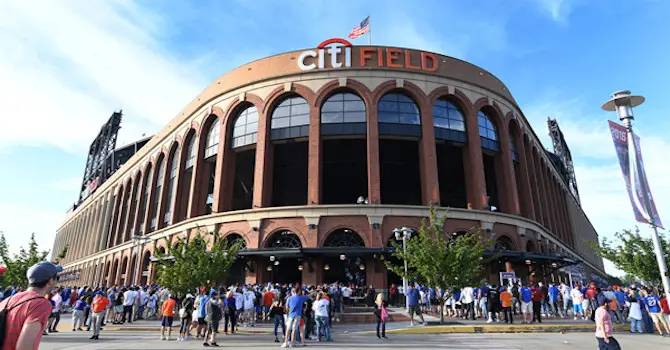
634,255
190,264
18,264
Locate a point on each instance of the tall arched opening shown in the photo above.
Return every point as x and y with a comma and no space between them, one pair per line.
284,268
345,268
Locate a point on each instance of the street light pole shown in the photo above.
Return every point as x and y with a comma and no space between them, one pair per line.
623,102
139,242
404,233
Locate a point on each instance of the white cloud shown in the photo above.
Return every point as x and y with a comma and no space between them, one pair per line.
68,65
602,189
26,220
558,10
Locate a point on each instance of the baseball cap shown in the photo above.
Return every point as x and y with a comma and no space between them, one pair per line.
213,293
42,272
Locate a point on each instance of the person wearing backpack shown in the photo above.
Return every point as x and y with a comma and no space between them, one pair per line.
382,314
24,315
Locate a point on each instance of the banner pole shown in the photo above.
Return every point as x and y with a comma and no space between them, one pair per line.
663,269
370,30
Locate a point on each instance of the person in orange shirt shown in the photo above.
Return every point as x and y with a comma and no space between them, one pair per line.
506,301
168,316
268,298
98,308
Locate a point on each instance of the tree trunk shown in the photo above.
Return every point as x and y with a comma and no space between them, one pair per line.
440,309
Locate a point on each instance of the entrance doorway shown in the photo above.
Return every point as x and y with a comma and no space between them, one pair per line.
344,268
284,269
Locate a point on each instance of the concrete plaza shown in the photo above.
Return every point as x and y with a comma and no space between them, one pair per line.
350,341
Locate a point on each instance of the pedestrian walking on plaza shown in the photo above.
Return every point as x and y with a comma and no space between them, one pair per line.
167,310
98,307
635,315
277,312
526,296
413,304
506,301
78,314
604,327
185,317
58,307
382,314
27,313
653,306
229,314
320,308
214,316
538,298
201,310
294,303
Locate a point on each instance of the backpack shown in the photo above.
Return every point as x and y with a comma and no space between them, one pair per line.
5,312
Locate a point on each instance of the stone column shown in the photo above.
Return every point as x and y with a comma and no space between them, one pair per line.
510,200
526,194
374,175
314,166
474,164
430,189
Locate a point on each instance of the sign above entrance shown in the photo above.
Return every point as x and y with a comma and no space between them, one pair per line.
343,55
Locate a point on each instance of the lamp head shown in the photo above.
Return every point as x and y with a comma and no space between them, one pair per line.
623,102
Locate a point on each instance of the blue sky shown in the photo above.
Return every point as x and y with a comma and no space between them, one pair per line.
66,65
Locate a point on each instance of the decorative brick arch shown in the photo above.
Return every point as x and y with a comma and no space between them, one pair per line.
513,238
493,112
343,227
279,93
236,106
458,97
300,235
409,88
352,85
244,236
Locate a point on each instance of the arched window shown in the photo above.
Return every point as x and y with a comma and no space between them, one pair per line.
512,145
212,141
284,240
233,238
398,115
398,108
290,119
448,121
190,153
487,132
245,130
504,243
343,114
171,188
344,238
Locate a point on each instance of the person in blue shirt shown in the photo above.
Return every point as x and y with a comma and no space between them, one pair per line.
526,304
413,304
201,302
553,300
294,303
78,314
653,306
481,294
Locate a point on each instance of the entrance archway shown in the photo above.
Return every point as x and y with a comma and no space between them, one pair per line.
284,269
344,268
236,273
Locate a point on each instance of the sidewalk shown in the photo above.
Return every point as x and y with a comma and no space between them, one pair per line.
451,325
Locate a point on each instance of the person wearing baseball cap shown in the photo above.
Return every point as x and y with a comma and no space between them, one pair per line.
28,312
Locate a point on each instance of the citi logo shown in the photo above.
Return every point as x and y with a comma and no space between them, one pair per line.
318,58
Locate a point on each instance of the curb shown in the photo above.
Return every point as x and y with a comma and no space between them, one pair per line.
497,329
158,329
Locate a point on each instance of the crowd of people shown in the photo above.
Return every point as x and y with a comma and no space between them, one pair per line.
300,312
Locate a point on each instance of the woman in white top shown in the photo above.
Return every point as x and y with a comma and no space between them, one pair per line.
320,308
635,315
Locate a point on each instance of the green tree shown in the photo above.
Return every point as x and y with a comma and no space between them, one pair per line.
188,264
634,255
18,264
440,260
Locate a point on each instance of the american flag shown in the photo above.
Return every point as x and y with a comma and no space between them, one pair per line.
361,29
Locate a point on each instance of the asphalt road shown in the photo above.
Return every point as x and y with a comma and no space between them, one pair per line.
349,341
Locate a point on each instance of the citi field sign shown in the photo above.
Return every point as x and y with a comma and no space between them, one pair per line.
340,53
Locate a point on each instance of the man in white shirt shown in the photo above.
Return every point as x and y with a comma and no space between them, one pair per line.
249,315
141,303
467,300
346,295
577,299
128,301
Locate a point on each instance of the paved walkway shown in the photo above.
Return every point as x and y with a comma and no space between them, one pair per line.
451,325
546,341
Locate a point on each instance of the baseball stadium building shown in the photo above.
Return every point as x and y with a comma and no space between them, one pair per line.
314,157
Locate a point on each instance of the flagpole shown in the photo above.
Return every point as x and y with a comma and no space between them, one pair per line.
370,30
